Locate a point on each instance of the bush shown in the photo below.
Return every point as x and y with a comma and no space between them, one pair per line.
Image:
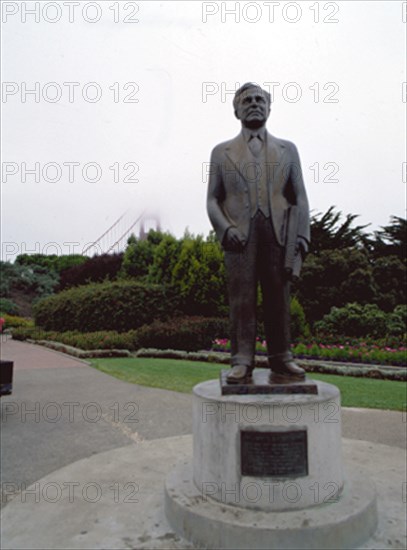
120,306
33,279
356,320
51,262
397,321
185,333
8,306
138,256
12,321
199,278
96,269
299,325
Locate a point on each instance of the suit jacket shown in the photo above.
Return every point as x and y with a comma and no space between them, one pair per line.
228,199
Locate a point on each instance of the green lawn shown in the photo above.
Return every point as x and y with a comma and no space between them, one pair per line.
182,376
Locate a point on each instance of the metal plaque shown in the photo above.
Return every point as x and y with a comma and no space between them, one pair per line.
274,453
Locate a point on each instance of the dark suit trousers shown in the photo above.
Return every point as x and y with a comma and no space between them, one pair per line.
261,260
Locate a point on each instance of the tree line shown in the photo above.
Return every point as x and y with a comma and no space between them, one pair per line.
345,264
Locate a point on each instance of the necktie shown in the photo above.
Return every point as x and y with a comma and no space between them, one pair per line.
255,145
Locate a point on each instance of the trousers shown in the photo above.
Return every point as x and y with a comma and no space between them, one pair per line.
260,261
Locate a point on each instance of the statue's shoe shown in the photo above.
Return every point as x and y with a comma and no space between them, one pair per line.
239,374
287,371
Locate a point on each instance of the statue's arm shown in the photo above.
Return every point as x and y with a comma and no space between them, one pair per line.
304,236
216,195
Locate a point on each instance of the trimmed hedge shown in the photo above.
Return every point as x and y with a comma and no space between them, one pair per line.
119,306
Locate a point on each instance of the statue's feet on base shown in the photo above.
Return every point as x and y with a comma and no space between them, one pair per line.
239,374
286,371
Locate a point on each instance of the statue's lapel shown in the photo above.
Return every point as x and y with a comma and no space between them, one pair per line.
276,153
238,153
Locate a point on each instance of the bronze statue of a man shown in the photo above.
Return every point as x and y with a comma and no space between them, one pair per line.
258,207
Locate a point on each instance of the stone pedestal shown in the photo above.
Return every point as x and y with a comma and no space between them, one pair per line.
267,472
267,452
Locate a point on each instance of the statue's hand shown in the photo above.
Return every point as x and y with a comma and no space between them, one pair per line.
234,240
301,248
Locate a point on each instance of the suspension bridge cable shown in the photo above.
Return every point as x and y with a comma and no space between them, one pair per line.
105,233
126,232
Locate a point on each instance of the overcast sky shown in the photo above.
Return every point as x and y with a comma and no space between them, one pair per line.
148,98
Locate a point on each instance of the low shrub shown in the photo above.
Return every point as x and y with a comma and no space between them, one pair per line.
86,341
98,340
11,321
184,333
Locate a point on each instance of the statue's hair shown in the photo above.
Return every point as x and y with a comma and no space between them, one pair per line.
246,87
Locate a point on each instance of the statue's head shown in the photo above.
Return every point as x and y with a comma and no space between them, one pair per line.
252,105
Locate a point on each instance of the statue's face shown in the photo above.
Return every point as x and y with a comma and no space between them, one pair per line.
253,108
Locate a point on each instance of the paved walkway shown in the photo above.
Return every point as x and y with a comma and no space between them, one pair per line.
63,410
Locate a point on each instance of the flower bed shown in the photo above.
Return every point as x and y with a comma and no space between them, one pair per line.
348,350
355,351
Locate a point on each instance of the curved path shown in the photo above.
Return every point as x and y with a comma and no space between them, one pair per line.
62,410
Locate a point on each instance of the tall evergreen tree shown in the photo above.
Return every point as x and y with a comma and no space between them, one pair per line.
327,233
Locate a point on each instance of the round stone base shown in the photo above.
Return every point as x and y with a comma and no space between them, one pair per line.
283,452
208,523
